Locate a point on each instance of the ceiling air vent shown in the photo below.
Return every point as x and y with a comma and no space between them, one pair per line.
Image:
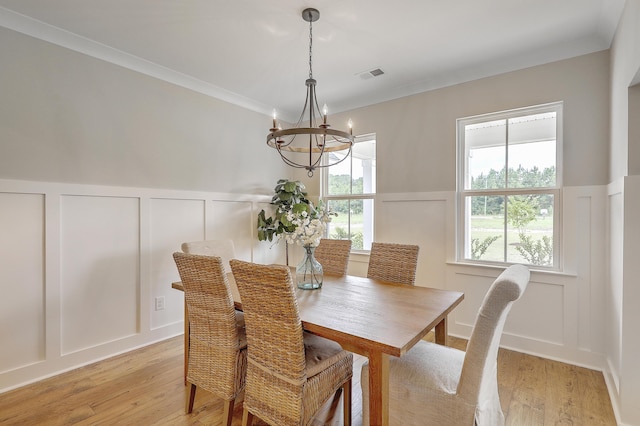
370,74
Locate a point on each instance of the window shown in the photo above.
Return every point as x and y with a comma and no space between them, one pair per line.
509,184
349,189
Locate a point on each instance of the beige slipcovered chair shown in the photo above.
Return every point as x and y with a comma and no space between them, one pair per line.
333,255
393,262
220,248
290,373
442,386
217,344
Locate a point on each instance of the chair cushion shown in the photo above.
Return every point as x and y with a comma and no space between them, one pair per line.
320,353
422,385
428,365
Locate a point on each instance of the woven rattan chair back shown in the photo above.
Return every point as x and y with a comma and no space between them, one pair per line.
393,262
333,255
218,350
278,389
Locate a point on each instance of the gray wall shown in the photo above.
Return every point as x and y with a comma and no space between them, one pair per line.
68,117
417,135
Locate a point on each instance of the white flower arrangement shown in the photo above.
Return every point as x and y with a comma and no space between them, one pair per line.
309,227
296,219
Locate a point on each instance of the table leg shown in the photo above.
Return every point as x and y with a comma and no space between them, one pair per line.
379,389
442,332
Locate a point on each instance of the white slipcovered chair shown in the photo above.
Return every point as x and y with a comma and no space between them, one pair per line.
439,385
219,248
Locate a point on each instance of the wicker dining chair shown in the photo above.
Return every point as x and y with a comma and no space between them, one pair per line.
218,343
333,255
393,262
290,373
441,386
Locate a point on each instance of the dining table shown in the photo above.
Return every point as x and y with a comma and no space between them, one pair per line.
373,318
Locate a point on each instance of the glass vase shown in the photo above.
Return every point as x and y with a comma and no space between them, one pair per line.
309,271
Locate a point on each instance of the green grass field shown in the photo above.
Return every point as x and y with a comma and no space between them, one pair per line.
481,228
486,226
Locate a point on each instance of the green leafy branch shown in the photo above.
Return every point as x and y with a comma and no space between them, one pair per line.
290,196
478,248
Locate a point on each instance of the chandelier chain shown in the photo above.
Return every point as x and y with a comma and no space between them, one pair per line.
310,48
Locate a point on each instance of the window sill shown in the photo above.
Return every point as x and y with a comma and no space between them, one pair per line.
485,267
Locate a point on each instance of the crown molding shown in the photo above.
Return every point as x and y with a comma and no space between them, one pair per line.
51,34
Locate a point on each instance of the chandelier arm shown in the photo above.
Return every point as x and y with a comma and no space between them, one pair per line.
291,162
304,108
313,101
341,160
314,165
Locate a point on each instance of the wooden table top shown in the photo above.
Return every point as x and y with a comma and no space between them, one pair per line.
367,315
374,315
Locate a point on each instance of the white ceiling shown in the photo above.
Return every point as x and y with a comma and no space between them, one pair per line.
255,52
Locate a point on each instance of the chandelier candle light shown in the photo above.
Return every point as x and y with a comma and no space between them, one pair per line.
317,138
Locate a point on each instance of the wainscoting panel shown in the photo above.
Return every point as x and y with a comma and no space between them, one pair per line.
22,321
91,261
99,253
546,322
233,220
172,222
408,219
82,267
546,325
615,291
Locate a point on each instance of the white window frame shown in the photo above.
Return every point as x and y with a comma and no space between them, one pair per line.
463,240
324,185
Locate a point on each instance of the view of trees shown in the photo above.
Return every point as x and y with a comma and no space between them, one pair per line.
521,211
518,178
340,184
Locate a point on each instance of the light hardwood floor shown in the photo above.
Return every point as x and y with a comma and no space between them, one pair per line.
145,387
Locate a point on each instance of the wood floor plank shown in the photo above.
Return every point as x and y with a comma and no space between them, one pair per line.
563,405
596,405
145,387
528,398
508,363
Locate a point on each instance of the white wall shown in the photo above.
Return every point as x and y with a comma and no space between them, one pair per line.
81,267
623,292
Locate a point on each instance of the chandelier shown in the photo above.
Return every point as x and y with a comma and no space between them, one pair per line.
308,144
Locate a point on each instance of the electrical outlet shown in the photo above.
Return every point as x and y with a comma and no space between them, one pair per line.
160,303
